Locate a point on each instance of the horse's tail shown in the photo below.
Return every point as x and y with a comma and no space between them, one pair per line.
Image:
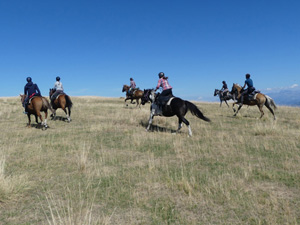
68,101
270,102
195,111
47,104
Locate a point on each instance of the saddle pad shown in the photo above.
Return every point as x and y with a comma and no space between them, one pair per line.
31,99
169,102
59,95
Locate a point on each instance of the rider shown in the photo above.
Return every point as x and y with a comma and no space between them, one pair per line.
224,89
131,86
167,89
249,90
31,89
58,88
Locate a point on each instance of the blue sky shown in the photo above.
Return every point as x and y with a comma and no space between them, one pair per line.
96,46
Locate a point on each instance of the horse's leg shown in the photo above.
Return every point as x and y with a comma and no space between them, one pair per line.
220,103
226,103
240,106
271,110
65,110
69,111
126,100
36,119
179,124
29,120
41,118
46,114
54,114
187,123
233,104
150,119
261,111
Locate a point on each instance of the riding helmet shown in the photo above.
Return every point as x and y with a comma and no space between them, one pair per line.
223,82
161,74
247,75
28,79
57,78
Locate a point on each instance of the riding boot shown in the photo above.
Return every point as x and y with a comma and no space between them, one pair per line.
25,109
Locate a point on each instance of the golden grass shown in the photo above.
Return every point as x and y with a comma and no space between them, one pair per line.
104,168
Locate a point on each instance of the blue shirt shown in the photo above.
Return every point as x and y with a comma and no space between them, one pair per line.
249,82
31,88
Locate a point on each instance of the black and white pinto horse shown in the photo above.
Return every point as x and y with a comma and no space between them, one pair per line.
224,98
175,106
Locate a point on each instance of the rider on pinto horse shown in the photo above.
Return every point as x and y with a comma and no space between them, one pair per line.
30,90
167,90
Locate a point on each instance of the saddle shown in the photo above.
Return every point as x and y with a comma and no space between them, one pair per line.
56,95
252,95
31,97
163,100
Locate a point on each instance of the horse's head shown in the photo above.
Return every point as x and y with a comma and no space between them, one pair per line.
235,90
149,95
125,88
22,98
216,92
51,91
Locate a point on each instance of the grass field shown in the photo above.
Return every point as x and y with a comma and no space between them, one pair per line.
104,168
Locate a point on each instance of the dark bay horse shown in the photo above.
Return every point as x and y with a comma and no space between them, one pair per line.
62,101
175,106
223,98
137,94
37,105
259,99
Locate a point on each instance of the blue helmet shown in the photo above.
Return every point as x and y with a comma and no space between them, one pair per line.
28,79
58,78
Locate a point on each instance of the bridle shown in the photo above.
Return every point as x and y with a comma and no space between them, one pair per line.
146,97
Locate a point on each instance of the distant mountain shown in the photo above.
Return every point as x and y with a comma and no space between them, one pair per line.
285,96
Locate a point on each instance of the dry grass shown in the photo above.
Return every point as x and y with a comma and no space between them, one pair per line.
104,168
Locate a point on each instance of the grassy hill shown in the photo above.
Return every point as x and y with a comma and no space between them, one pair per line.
104,168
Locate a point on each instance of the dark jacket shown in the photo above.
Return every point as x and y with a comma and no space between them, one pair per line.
31,88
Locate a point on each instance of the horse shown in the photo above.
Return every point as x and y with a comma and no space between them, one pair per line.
37,105
259,99
137,94
62,101
223,98
175,106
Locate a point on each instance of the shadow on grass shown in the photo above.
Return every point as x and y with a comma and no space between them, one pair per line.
60,118
39,126
157,128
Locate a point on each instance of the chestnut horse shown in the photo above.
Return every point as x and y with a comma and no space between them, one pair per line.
137,94
37,105
62,101
259,99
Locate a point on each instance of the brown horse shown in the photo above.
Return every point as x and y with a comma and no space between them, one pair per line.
259,99
137,94
62,101
37,105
